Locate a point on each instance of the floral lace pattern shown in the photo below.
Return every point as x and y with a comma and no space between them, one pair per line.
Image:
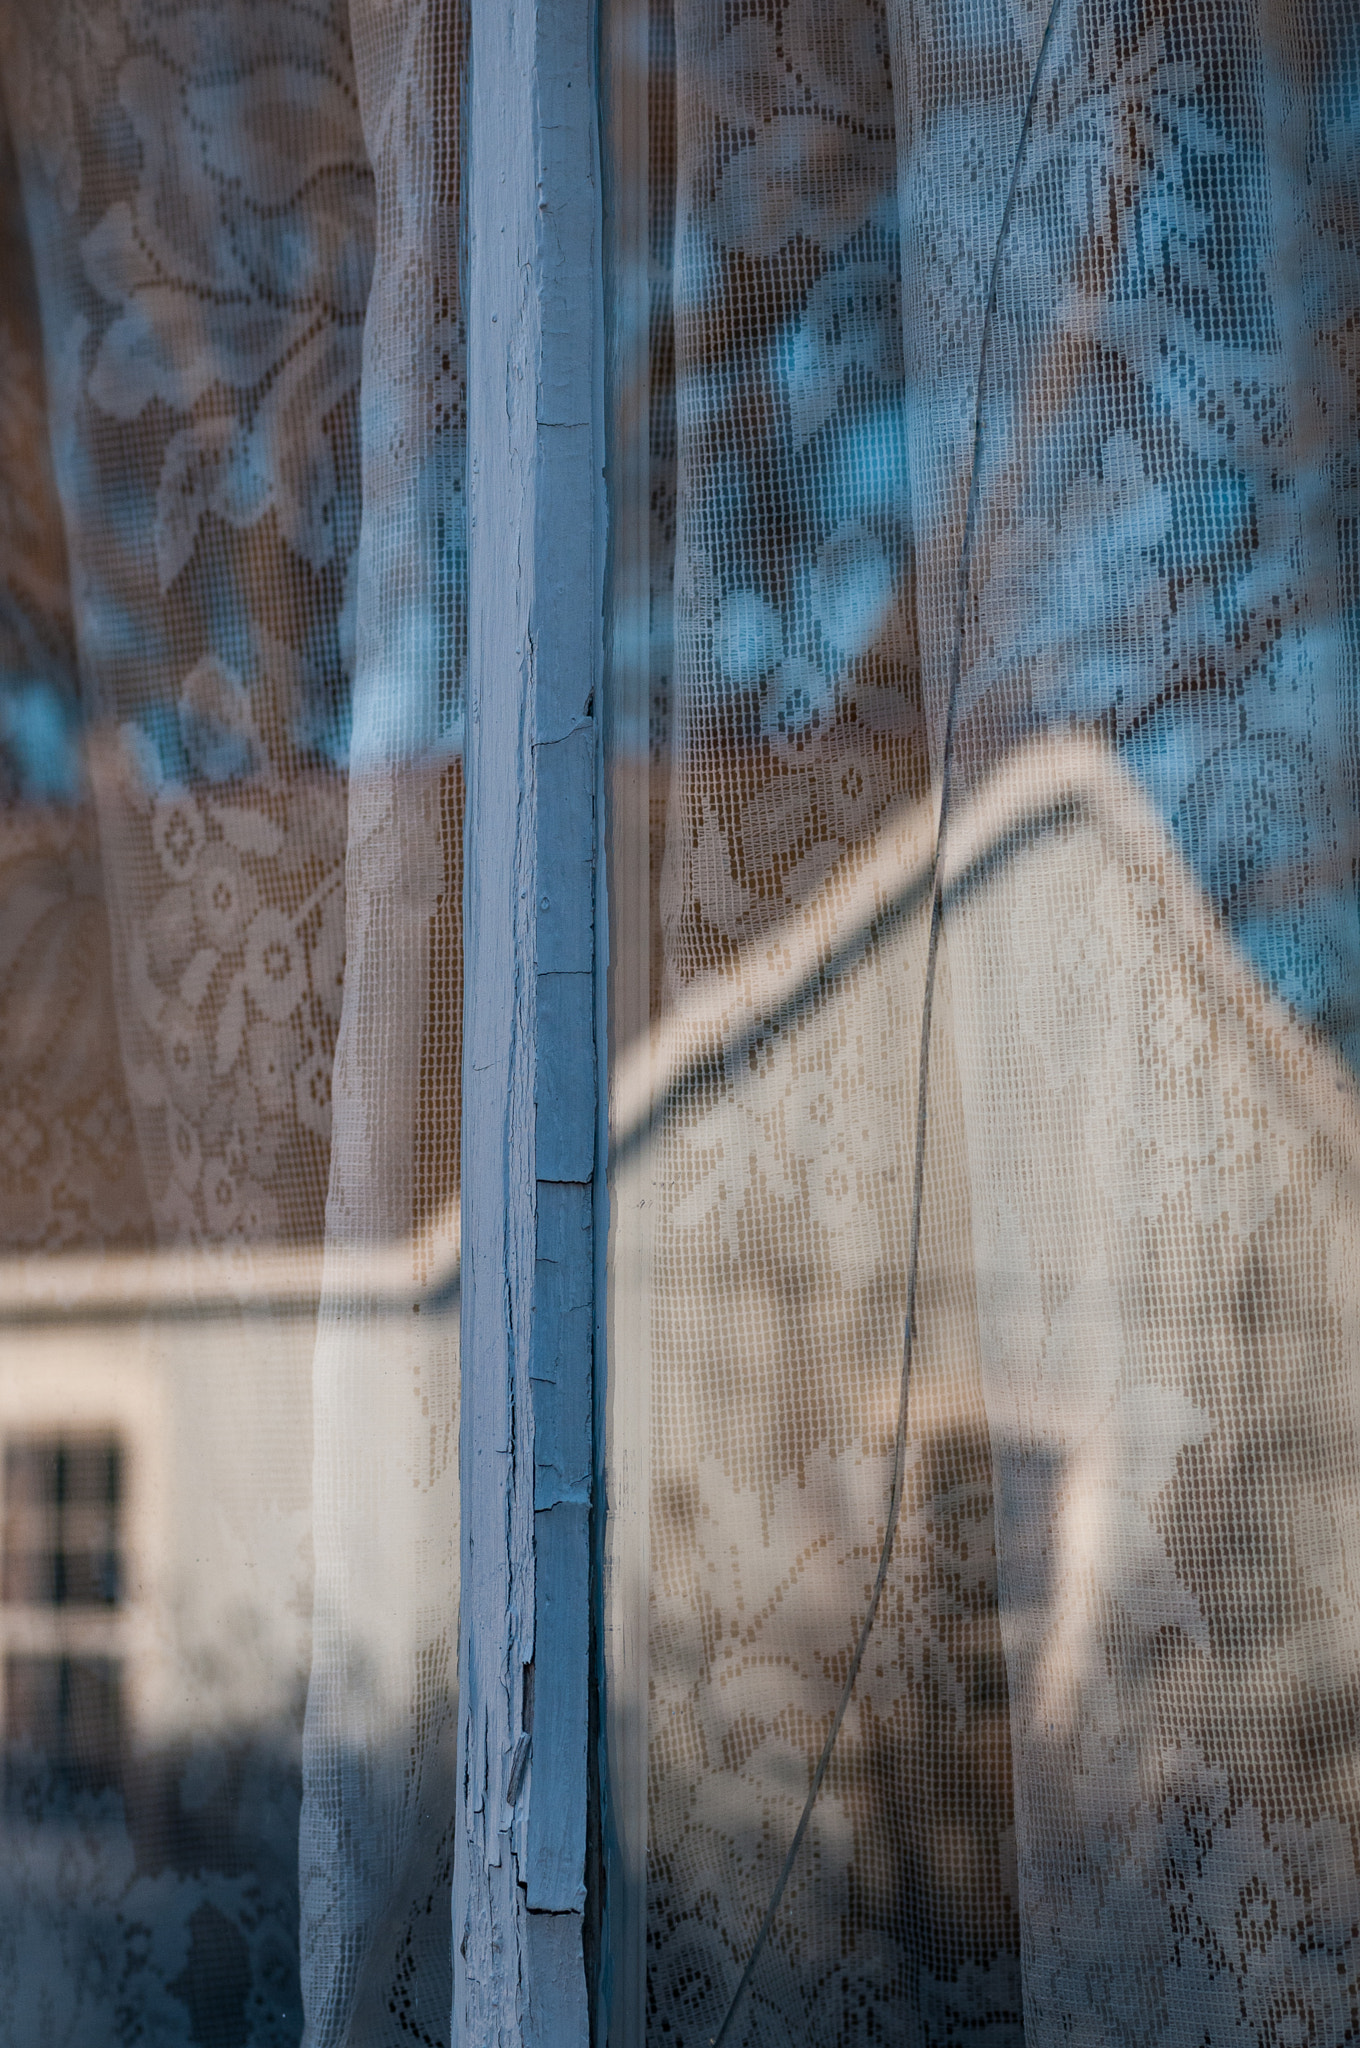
170,1953
795,642
1164,490
1160,559
210,268
244,222
69,1173
787,1178
798,748
198,201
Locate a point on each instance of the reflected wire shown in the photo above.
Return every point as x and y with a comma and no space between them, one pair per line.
923,1064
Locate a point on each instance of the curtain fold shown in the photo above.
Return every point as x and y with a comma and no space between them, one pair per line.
377,1839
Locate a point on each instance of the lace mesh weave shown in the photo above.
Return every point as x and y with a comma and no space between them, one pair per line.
1096,1779
1003,408
233,565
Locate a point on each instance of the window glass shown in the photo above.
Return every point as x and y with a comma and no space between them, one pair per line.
983,1114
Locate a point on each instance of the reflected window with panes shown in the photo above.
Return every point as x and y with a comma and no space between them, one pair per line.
61,1583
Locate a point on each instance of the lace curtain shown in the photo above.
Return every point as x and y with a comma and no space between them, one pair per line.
233,570
1012,530
1001,408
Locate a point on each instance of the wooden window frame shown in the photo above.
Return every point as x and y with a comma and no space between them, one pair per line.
534,924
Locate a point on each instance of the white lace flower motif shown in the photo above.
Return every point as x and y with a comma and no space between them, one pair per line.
185,1053
311,1097
805,113
328,949
178,833
247,1141
217,725
275,965
849,329
237,1207
748,640
239,270
170,936
271,1055
186,1151
225,899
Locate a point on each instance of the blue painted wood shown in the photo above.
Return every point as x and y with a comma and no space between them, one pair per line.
566,1110
555,1966
530,1102
561,1371
556,1822
562,1357
565,773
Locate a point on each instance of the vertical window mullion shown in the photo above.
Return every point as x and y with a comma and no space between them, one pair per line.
530,1089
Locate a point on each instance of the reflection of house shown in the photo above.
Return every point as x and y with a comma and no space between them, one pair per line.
1132,1420
155,1417
61,1574
156,1456
149,1839
155,1459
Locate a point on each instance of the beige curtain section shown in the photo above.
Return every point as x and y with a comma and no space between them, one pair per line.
232,960
377,1840
1097,1776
